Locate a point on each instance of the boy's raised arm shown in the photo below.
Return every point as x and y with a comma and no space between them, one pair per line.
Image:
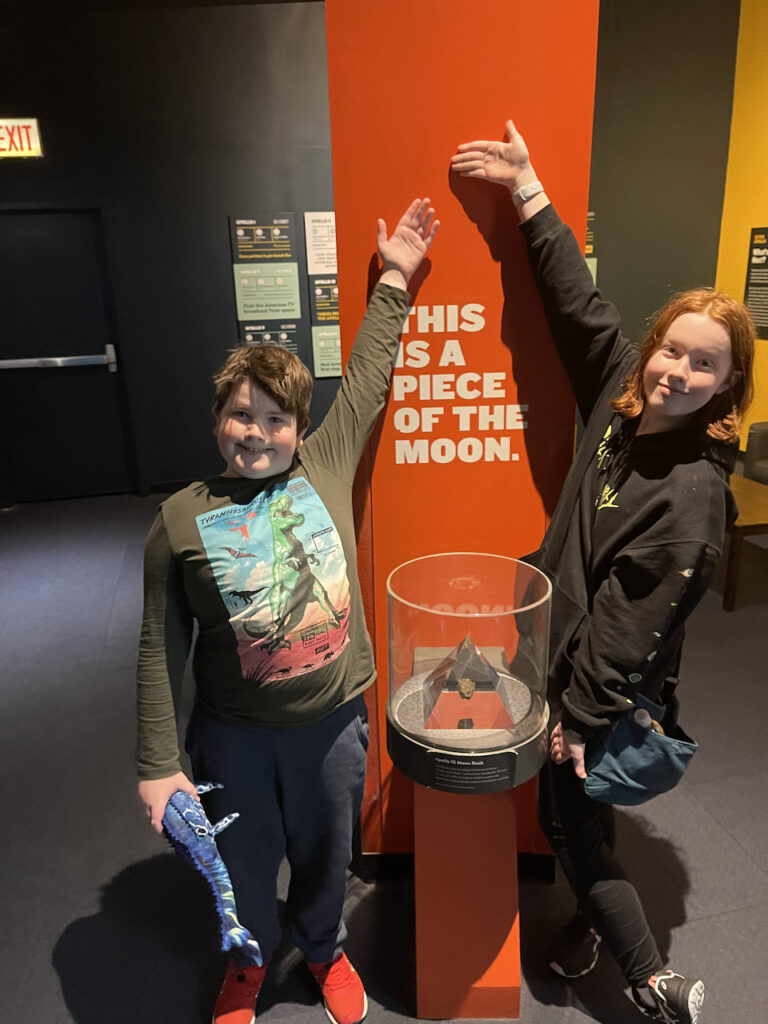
402,253
343,434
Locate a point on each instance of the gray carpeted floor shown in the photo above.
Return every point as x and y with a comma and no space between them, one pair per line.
101,923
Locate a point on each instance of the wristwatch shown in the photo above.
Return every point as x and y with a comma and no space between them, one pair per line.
526,192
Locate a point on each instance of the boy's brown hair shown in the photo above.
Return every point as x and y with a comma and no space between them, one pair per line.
272,367
721,417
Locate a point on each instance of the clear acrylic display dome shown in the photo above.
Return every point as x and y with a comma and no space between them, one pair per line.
468,641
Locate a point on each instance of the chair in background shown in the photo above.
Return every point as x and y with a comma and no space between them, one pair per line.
756,455
751,495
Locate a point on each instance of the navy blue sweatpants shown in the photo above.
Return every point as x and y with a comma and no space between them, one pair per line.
298,792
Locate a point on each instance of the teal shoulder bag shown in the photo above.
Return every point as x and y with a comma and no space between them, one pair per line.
633,762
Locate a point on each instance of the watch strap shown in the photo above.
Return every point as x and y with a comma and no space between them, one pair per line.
526,192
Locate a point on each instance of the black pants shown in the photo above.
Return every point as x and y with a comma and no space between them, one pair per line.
581,832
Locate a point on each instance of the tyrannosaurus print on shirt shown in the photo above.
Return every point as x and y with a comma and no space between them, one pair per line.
280,568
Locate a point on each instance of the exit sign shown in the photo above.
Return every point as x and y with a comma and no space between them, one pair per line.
20,136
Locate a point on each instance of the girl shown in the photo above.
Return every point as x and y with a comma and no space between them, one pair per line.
631,548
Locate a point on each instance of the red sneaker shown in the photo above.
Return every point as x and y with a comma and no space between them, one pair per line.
343,993
236,1002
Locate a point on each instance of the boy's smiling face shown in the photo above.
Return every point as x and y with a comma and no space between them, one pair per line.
257,439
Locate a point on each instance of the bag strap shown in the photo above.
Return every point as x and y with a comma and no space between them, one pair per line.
671,704
668,689
670,683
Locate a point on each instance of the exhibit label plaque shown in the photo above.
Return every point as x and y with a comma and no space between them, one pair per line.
475,773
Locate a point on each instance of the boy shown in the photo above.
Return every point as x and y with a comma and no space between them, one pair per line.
263,559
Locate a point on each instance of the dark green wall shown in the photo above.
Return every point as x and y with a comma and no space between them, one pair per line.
662,120
167,121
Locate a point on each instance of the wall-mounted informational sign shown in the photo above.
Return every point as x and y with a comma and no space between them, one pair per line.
268,281
20,136
590,245
263,238
253,332
326,350
324,300
756,288
267,291
320,232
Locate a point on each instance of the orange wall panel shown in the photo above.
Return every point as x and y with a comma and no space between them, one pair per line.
409,81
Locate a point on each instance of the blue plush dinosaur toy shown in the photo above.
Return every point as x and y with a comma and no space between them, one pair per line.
193,837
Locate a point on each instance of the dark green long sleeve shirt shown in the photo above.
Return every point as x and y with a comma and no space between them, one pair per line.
267,571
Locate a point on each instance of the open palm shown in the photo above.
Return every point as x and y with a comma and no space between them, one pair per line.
499,162
408,244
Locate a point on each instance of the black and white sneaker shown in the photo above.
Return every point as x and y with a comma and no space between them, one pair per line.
574,949
674,999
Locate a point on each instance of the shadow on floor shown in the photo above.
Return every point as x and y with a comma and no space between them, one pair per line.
149,954
146,955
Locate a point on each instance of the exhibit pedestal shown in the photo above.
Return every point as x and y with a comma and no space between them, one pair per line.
467,923
467,721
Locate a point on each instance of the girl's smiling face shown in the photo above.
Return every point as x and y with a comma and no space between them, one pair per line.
692,363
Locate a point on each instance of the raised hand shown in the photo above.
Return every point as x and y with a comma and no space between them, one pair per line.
504,163
403,251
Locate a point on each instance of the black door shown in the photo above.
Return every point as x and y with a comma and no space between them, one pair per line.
63,427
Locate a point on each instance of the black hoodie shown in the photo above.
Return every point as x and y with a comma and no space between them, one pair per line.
638,530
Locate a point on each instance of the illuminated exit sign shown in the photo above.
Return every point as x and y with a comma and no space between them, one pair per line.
20,136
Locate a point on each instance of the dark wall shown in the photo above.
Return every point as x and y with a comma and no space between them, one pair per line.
665,72
168,121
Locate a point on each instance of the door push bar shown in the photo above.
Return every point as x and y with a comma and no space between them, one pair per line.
109,359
